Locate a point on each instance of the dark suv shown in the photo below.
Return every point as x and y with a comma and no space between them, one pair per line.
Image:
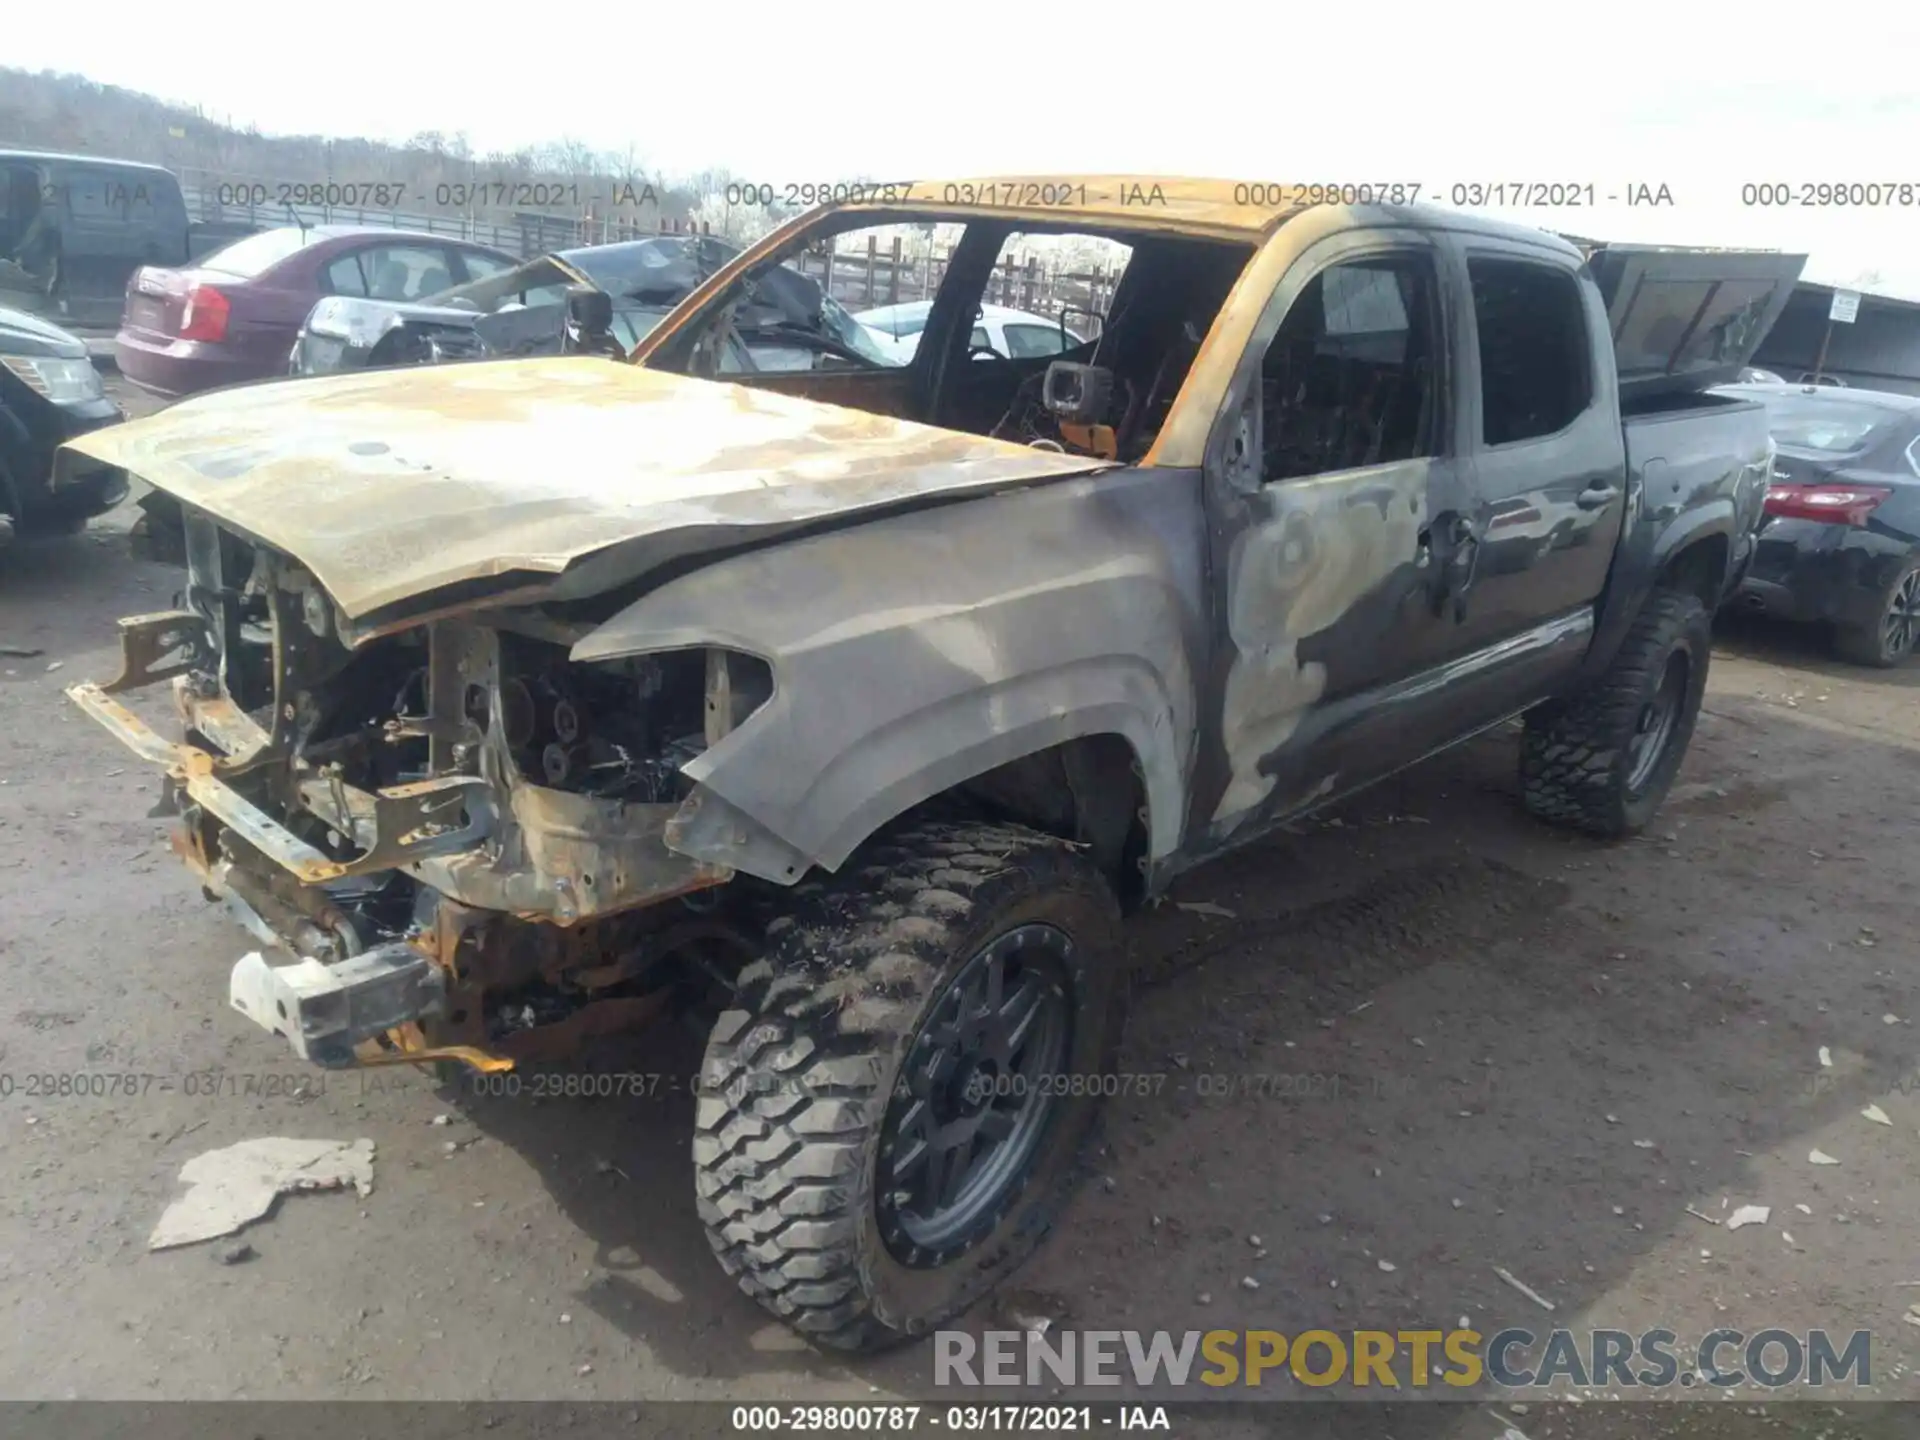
74,227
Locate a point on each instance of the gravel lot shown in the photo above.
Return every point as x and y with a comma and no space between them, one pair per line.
1510,1014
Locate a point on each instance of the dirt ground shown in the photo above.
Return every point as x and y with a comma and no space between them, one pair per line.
1450,1039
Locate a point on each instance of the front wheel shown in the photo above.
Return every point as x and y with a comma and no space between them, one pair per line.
890,1114
1603,760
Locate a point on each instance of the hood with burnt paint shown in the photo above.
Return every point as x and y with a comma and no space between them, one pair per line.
394,485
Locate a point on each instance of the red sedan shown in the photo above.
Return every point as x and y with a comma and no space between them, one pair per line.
235,314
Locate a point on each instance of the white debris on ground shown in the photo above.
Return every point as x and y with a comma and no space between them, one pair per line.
1748,1215
232,1187
1820,1157
1530,1293
1877,1115
1206,907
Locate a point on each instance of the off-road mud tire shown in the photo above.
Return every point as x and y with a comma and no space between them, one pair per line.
1576,760
799,1073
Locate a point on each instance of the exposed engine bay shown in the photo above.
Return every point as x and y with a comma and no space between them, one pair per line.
394,813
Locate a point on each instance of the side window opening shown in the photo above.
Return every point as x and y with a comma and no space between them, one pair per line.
1350,378
390,272
1535,372
828,307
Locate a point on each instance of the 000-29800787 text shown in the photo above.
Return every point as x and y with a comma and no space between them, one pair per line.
837,1419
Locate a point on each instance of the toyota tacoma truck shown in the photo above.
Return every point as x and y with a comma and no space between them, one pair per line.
851,704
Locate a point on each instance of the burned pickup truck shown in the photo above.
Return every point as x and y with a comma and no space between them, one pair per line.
852,704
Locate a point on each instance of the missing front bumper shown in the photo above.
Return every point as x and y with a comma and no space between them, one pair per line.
325,1011
534,852
392,828
275,834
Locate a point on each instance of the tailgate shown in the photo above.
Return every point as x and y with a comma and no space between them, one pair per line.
1687,319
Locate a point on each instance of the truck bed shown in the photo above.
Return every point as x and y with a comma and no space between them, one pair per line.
1682,445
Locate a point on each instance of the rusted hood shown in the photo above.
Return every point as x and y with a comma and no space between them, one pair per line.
393,485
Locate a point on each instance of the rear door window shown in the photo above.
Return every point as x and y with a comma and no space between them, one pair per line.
391,272
1535,379
96,195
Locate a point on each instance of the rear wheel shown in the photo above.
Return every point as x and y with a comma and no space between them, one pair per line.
1890,639
1604,760
890,1113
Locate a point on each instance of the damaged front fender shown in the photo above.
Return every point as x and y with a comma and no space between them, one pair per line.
913,654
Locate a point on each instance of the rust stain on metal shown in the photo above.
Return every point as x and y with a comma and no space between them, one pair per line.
407,1045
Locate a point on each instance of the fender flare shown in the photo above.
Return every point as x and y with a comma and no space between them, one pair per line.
883,774
1639,564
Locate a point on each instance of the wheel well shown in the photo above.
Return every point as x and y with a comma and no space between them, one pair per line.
1091,789
1699,569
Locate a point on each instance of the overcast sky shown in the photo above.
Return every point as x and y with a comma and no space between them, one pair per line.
1613,94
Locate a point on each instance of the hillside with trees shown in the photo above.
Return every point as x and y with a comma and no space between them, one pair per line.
64,112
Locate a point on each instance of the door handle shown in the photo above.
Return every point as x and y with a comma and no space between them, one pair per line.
1596,495
1453,540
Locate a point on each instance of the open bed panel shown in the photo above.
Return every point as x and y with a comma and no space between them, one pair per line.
1687,319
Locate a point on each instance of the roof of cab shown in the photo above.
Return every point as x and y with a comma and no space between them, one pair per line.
98,161
1245,210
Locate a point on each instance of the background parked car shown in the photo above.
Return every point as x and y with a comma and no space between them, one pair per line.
74,227
1014,334
524,312
520,311
236,314
1841,541
49,393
